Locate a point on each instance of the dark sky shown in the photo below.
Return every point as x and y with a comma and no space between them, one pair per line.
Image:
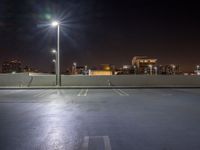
100,31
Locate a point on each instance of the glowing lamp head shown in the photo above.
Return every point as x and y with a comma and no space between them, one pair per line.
173,66
53,51
55,23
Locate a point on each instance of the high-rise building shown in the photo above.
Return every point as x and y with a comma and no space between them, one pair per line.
11,66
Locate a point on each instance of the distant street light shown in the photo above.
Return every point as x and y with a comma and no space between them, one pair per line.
58,76
173,69
150,68
156,70
54,61
134,69
75,65
198,70
53,51
198,67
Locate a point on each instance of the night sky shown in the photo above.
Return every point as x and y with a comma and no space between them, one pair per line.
100,31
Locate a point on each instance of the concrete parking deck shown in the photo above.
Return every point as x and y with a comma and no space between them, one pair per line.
100,119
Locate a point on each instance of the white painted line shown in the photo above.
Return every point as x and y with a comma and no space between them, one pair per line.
79,94
46,93
83,92
106,139
116,91
85,145
126,94
41,94
120,92
107,143
86,91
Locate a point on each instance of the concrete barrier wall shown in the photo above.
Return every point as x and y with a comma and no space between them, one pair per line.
26,80
133,80
18,79
43,80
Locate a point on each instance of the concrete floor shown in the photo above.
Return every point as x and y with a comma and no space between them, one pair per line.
100,119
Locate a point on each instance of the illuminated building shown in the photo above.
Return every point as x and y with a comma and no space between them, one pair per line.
11,66
106,67
100,72
78,70
142,63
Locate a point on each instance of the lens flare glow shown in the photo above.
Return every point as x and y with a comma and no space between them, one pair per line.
55,23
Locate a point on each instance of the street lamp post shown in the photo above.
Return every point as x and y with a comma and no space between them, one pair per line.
156,70
54,63
150,69
53,51
134,69
198,71
58,76
173,69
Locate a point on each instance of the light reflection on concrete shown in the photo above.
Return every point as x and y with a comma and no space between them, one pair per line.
58,128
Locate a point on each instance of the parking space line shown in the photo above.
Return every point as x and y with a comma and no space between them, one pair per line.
86,141
39,94
86,91
42,94
126,94
116,91
83,92
120,92
79,94
85,145
107,143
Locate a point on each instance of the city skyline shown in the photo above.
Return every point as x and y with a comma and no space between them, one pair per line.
97,32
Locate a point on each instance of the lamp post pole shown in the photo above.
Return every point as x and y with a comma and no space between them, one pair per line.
58,81
198,69
150,69
54,64
173,69
156,70
58,76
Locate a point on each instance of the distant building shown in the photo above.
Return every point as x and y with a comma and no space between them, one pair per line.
169,69
143,63
102,70
11,66
78,70
100,73
124,70
126,67
106,67
29,69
